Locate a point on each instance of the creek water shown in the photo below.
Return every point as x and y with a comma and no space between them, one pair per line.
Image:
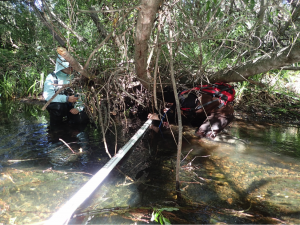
251,174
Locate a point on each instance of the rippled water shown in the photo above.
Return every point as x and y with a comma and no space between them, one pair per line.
249,175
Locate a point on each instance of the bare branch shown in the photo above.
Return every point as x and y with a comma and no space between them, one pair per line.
105,11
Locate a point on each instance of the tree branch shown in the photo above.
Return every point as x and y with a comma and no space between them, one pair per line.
294,18
272,61
44,21
92,10
101,30
80,38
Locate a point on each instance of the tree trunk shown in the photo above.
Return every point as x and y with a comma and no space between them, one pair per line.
148,10
272,61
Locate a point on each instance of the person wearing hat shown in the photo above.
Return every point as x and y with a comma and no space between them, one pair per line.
65,104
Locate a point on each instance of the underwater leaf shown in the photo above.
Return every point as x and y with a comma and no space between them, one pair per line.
155,216
166,221
161,221
169,209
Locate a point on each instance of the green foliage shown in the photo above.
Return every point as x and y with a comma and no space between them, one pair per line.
6,56
241,88
22,73
7,87
210,36
158,216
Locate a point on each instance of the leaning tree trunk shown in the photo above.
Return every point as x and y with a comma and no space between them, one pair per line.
148,10
271,61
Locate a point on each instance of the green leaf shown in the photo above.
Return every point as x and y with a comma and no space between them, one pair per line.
156,216
166,221
202,8
218,12
252,4
207,5
270,19
208,16
161,221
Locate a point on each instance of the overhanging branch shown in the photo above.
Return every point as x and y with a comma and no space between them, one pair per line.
284,57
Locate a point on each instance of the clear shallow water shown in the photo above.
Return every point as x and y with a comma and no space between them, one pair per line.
254,170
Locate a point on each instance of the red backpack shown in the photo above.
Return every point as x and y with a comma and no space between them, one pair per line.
222,91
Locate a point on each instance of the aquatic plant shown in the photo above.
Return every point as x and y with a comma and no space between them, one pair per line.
158,216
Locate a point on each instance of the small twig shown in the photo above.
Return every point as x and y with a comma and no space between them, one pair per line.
105,40
101,122
129,95
116,135
106,11
129,178
66,145
189,182
186,155
204,156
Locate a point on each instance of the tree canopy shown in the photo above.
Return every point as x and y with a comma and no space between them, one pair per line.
220,40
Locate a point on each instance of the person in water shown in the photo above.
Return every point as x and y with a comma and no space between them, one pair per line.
207,107
66,106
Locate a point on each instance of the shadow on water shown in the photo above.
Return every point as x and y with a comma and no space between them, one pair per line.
249,176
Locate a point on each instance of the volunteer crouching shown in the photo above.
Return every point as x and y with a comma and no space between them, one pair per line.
65,107
208,107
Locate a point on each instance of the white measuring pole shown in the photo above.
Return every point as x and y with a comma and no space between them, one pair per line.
63,215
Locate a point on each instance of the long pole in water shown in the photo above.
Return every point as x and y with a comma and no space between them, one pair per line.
63,215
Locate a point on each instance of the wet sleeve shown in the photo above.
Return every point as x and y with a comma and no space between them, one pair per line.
49,91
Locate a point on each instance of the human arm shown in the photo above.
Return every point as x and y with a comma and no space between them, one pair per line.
50,89
153,116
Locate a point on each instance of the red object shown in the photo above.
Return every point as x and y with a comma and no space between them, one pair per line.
225,91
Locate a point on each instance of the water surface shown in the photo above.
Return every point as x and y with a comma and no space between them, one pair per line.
249,175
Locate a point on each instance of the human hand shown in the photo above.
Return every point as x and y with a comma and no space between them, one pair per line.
153,116
156,129
74,111
166,110
72,99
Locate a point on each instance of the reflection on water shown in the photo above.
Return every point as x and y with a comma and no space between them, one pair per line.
254,171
